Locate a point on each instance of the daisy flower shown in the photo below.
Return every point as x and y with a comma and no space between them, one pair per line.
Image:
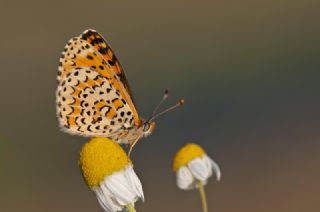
108,171
193,168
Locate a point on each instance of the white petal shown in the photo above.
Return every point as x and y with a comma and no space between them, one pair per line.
105,200
199,169
185,179
119,187
213,166
134,182
207,163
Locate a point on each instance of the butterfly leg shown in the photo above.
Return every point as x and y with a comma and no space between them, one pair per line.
132,145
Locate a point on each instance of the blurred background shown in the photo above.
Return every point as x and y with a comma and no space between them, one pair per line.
248,70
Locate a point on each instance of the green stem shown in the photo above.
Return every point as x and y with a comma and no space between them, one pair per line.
203,196
131,208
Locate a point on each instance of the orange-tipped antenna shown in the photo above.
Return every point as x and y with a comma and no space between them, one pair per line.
165,96
179,103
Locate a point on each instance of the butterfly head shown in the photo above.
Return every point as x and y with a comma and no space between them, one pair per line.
148,128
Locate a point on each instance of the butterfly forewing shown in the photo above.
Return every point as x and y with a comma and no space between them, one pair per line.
97,41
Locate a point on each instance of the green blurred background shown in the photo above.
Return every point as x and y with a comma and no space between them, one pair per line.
248,70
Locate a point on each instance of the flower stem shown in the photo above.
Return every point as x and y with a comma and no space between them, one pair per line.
131,208
203,196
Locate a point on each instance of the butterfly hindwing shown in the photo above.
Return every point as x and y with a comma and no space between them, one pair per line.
89,105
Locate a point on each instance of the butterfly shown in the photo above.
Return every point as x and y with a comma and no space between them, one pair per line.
94,98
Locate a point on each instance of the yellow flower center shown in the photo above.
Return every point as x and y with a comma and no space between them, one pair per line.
187,153
99,158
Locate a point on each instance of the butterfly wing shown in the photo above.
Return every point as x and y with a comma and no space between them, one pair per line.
97,41
91,100
80,53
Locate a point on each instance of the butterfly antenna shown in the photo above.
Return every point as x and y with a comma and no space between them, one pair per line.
165,96
178,104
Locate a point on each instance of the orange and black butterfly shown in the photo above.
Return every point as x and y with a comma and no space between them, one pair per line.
93,95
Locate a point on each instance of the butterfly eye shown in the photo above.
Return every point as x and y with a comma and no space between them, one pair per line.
146,127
